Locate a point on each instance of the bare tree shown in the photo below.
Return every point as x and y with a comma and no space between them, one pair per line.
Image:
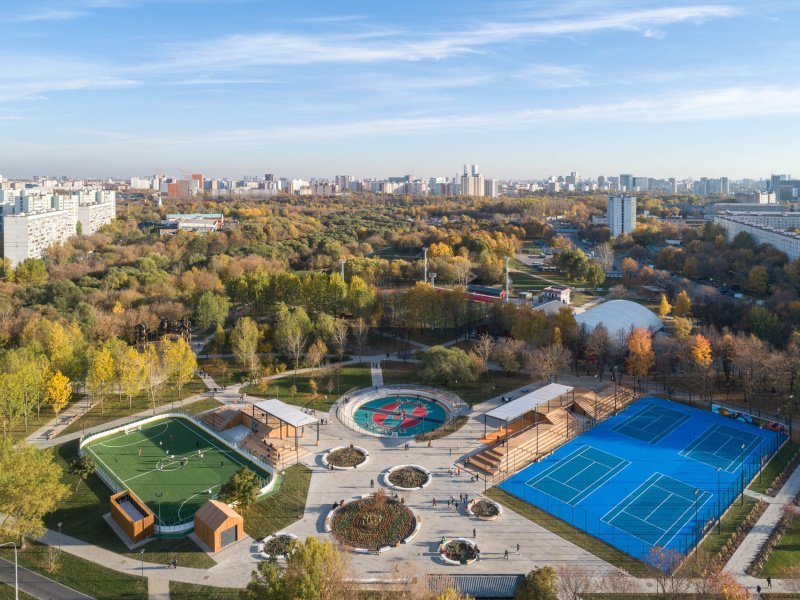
360,332
573,582
605,256
547,362
483,349
462,268
339,335
598,344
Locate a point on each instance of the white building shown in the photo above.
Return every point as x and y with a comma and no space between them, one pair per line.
775,229
621,214
33,221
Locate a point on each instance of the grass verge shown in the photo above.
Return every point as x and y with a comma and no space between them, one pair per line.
473,392
774,467
713,543
583,540
178,589
330,382
281,508
81,516
113,408
79,574
444,431
786,555
201,406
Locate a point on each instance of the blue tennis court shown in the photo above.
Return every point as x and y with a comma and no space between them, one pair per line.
578,475
656,475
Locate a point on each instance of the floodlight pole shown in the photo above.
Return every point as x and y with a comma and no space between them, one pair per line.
59,535
742,469
719,510
16,568
696,528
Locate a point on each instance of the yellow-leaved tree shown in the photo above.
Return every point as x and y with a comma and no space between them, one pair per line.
59,391
641,357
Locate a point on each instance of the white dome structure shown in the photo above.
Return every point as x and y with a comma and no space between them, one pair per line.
619,317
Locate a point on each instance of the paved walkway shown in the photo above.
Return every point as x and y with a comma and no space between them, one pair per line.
747,550
377,374
37,585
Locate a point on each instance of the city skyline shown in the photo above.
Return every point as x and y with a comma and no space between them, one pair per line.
109,88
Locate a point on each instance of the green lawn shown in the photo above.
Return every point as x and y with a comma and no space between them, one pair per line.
82,575
201,406
786,555
114,408
774,467
568,532
170,464
712,544
472,393
282,507
18,431
330,383
191,591
7,593
81,516
225,371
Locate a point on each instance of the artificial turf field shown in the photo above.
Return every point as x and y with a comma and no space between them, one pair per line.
179,465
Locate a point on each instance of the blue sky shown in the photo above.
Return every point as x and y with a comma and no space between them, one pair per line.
379,88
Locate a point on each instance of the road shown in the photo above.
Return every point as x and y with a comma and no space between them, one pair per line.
37,585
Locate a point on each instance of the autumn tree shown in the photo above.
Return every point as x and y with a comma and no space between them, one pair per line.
242,488
100,377
244,343
133,373
180,362
682,327
291,332
546,362
539,584
59,391
682,307
360,329
316,353
212,309
664,308
445,365
316,570
481,353
640,353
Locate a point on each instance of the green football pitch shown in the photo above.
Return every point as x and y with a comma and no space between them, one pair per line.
170,464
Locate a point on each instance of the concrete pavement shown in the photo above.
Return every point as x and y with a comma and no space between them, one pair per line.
37,585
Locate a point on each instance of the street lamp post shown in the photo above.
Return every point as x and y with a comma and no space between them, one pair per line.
59,535
595,399
16,568
719,511
742,469
696,526
141,555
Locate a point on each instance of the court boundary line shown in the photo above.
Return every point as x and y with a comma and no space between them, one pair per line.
756,441
585,492
645,486
682,418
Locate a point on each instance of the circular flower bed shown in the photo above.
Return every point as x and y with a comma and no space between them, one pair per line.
485,509
408,477
278,546
373,523
459,551
345,457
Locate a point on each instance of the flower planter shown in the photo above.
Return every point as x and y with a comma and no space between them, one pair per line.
481,508
404,471
458,551
332,456
264,545
372,524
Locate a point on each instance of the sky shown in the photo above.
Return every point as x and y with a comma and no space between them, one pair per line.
376,88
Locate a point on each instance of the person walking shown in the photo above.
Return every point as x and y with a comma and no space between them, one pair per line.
769,582
505,554
474,533
429,443
372,483
434,502
517,548
758,590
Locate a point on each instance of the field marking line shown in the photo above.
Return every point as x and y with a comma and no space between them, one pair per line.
146,437
642,488
691,506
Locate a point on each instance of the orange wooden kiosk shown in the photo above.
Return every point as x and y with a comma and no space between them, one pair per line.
132,515
218,525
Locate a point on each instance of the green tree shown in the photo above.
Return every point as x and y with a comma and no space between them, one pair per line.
242,488
219,338
291,332
30,487
12,405
316,570
539,584
244,343
31,271
212,309
757,280
83,467
445,365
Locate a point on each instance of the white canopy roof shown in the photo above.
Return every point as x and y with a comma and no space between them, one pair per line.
619,317
526,403
286,413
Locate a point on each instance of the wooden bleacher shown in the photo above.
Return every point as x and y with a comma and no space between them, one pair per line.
222,418
505,456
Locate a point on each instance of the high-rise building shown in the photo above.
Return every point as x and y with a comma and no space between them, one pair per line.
621,214
472,183
626,182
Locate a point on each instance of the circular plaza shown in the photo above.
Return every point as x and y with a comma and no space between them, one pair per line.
398,410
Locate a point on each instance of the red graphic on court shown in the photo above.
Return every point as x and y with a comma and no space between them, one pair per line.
399,415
